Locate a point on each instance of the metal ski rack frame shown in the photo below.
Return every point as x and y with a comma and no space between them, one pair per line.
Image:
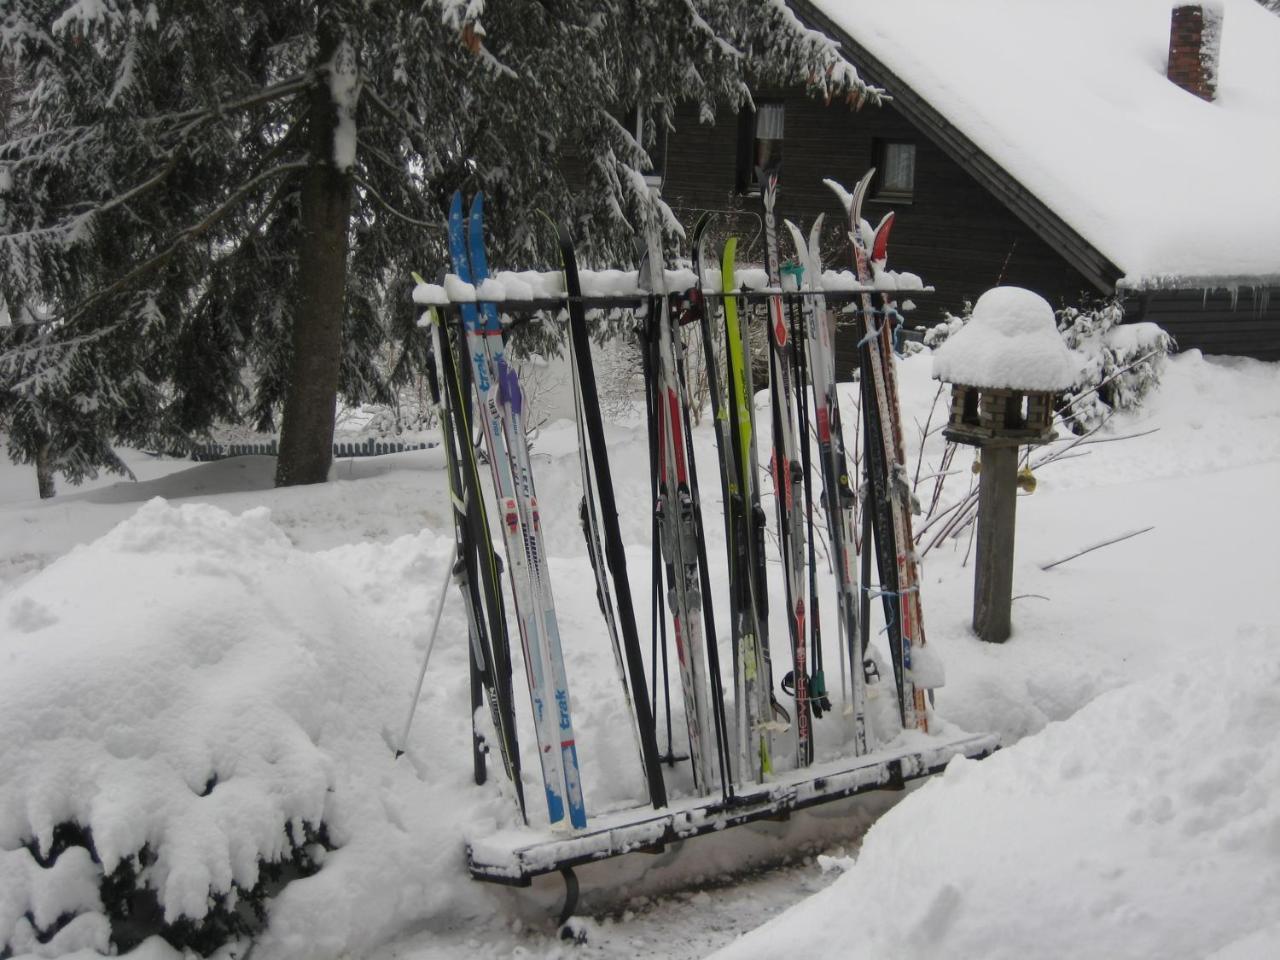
519,312
515,856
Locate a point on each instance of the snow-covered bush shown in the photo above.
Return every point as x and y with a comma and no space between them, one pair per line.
177,704
937,335
1122,361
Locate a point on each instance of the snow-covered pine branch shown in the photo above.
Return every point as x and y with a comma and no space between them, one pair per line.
134,176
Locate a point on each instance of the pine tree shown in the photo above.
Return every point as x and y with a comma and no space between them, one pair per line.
218,205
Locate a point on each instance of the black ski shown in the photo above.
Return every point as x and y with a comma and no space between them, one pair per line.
604,538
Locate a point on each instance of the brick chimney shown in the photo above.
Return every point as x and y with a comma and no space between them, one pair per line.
1194,37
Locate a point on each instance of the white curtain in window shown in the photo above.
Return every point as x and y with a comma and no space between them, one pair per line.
900,166
769,120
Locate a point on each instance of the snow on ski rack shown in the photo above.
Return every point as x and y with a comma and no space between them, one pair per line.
515,856
515,291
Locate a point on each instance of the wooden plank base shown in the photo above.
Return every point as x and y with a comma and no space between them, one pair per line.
516,856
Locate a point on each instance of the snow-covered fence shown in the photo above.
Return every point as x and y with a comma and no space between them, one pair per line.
365,448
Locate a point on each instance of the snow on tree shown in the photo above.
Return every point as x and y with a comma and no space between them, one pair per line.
223,202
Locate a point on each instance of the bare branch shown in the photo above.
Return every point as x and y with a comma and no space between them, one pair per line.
1097,546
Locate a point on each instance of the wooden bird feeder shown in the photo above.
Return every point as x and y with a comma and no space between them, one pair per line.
993,417
1005,367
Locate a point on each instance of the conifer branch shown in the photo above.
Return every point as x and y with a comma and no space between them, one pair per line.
368,187
190,233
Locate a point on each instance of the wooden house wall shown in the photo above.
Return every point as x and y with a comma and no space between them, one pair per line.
1245,322
953,233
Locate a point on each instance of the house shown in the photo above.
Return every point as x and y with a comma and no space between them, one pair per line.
1059,146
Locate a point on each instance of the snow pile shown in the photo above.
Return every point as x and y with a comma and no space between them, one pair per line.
201,696
1117,833
1012,343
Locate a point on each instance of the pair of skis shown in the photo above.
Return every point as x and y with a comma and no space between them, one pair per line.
501,415
476,568
756,710
839,498
889,495
678,514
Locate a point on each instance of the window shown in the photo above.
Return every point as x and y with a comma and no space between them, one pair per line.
896,166
760,136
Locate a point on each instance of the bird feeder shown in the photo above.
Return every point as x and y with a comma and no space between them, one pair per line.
1006,365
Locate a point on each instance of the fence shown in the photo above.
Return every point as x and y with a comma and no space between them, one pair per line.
366,448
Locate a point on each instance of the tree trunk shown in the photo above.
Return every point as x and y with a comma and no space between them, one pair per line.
306,433
44,471
8,83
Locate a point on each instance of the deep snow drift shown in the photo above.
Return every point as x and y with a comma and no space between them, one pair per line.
194,675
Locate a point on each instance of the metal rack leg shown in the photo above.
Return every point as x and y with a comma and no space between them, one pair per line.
567,931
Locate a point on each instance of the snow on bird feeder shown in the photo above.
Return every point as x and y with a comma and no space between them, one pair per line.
1005,367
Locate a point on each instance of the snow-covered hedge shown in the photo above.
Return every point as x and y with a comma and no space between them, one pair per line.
1120,362
190,716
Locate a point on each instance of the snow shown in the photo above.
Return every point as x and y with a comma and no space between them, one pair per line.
507,285
1011,343
273,637
1168,187
344,87
1124,831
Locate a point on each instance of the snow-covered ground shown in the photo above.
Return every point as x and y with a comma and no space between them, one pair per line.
193,672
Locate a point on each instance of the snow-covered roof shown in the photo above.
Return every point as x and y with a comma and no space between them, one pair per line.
1072,101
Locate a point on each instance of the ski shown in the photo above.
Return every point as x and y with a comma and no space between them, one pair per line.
498,391
787,475
477,570
758,712
675,509
890,491
839,498
600,526
696,308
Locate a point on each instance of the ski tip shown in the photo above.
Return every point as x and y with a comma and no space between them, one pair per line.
727,258
797,237
700,227
455,204
860,194
845,197
477,205
417,277
880,248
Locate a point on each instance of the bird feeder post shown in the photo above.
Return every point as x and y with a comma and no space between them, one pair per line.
1005,366
993,576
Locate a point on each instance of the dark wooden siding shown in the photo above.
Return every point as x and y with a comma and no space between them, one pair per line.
1246,322
955,234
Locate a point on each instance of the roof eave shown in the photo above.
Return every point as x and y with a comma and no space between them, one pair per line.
1073,247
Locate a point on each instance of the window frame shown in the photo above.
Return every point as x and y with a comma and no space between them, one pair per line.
881,152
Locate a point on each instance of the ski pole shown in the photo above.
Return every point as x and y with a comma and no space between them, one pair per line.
431,643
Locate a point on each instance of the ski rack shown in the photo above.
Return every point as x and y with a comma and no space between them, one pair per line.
519,312
515,856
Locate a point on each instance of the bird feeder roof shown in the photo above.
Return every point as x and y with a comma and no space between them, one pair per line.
1012,343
